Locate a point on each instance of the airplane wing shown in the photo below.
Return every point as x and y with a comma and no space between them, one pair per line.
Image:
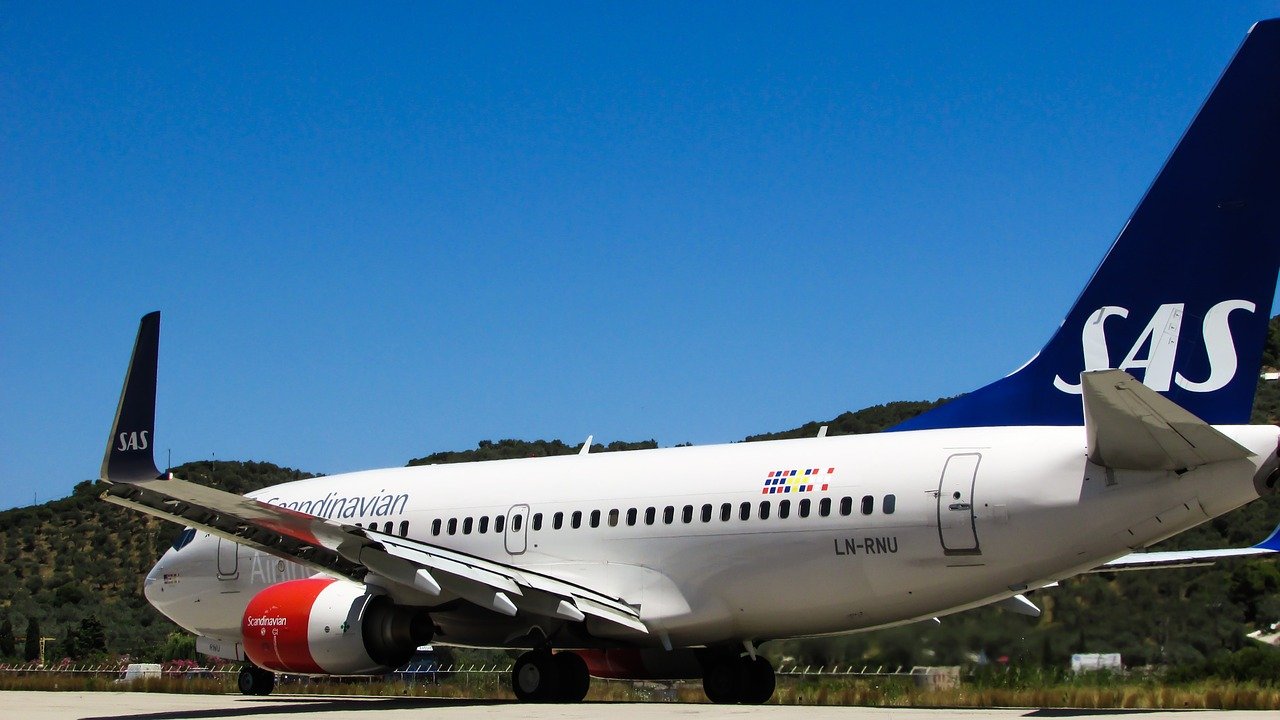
132,480
1189,558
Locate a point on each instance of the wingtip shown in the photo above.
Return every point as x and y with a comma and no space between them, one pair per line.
129,454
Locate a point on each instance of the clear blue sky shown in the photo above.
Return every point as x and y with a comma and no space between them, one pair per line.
375,234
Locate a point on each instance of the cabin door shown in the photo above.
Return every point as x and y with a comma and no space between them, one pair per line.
517,529
956,527
228,562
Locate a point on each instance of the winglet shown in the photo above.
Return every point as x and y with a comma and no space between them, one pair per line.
129,448
1129,426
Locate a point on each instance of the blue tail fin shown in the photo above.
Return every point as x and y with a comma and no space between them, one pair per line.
1182,299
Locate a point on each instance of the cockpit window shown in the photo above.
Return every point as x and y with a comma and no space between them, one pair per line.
184,538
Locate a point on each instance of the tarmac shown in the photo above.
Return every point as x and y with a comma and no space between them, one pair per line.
20,705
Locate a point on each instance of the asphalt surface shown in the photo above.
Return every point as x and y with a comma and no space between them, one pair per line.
157,706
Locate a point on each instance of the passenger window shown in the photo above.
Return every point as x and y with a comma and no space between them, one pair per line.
726,512
784,509
631,516
764,509
595,518
687,514
435,526
744,511
516,523
846,505
668,515
803,509
868,504
404,528
484,524
386,527
466,526
706,513
575,520
650,514
613,517
890,503
453,526
824,507
537,521
557,520
499,521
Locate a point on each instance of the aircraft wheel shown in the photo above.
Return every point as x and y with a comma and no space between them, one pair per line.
254,680
722,680
536,677
760,681
575,681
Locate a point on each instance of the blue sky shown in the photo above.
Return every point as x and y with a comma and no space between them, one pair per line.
375,234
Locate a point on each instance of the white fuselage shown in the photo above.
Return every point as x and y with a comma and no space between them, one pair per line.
977,515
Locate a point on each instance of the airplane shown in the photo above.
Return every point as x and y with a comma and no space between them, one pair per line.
678,562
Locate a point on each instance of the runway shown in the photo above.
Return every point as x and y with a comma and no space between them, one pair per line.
158,706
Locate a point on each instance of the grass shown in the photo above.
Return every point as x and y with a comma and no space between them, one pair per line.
881,692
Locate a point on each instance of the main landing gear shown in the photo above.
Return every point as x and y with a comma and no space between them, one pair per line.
732,678
253,680
540,676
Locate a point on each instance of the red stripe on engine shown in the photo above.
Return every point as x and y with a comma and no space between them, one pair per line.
274,626
617,663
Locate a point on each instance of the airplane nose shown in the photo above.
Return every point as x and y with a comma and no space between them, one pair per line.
153,584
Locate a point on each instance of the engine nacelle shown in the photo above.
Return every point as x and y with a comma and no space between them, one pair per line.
332,627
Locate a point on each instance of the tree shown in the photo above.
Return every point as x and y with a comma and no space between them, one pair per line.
33,640
70,645
92,636
7,641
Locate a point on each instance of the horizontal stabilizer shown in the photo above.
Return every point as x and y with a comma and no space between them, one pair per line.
1189,558
1132,427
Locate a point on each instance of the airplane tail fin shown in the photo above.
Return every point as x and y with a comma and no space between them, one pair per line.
1182,298
129,453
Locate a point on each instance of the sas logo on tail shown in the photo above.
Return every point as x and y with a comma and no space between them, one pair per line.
1157,347
133,441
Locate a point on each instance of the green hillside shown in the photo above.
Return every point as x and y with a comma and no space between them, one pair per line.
69,562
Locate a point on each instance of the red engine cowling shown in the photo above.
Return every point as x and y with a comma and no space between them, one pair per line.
333,627
642,664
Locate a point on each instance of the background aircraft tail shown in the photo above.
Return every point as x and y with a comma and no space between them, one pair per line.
1182,300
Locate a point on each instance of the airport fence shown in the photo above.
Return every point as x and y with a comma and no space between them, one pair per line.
434,672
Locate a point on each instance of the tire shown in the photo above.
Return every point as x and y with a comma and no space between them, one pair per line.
254,680
266,682
760,681
722,680
575,680
247,682
536,677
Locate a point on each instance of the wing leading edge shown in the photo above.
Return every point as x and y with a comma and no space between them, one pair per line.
435,573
